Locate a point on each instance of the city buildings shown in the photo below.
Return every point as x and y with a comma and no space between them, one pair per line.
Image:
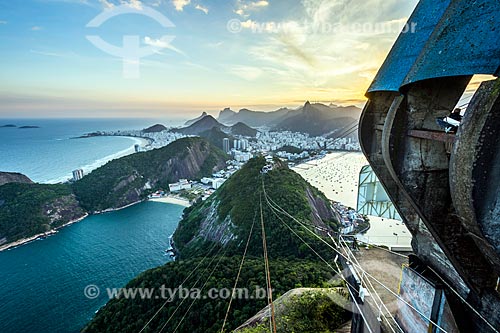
77,174
225,145
183,184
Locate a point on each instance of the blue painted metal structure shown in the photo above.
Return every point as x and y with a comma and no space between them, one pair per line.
452,38
449,199
409,46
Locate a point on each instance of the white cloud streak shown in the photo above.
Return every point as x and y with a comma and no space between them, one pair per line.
202,8
329,63
245,7
162,44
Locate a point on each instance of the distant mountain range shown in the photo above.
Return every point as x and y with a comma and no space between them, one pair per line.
253,118
192,121
154,129
315,119
207,123
319,119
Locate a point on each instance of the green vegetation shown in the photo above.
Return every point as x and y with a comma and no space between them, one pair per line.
30,209
211,238
239,198
242,129
291,149
23,208
207,315
132,178
215,136
320,310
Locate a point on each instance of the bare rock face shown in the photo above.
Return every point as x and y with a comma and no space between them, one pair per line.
12,177
129,179
63,210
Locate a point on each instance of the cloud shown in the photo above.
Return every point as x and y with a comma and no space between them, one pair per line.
244,7
312,58
203,9
162,44
3,22
36,28
180,4
136,4
106,4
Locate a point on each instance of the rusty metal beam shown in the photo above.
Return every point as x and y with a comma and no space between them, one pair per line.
432,135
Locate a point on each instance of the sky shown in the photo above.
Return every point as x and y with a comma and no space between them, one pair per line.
200,55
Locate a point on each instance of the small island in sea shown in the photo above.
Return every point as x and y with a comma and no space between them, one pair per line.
28,127
8,126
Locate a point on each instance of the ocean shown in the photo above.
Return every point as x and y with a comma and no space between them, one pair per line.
50,153
42,283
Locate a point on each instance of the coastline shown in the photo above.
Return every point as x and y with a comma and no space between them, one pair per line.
109,210
172,200
27,240
94,135
337,176
88,168
24,241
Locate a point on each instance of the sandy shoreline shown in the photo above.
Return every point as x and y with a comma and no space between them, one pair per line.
172,200
109,210
337,176
54,231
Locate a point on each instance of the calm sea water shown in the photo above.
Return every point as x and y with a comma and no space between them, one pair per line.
42,283
50,154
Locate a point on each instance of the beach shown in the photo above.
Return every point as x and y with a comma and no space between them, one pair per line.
337,176
172,200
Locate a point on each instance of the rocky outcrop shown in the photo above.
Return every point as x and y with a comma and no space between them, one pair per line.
192,121
227,216
155,129
12,177
130,179
63,210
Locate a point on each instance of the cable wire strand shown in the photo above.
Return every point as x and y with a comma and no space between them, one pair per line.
239,272
185,280
268,273
364,271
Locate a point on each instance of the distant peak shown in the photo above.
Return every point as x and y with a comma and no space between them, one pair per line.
155,128
307,104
